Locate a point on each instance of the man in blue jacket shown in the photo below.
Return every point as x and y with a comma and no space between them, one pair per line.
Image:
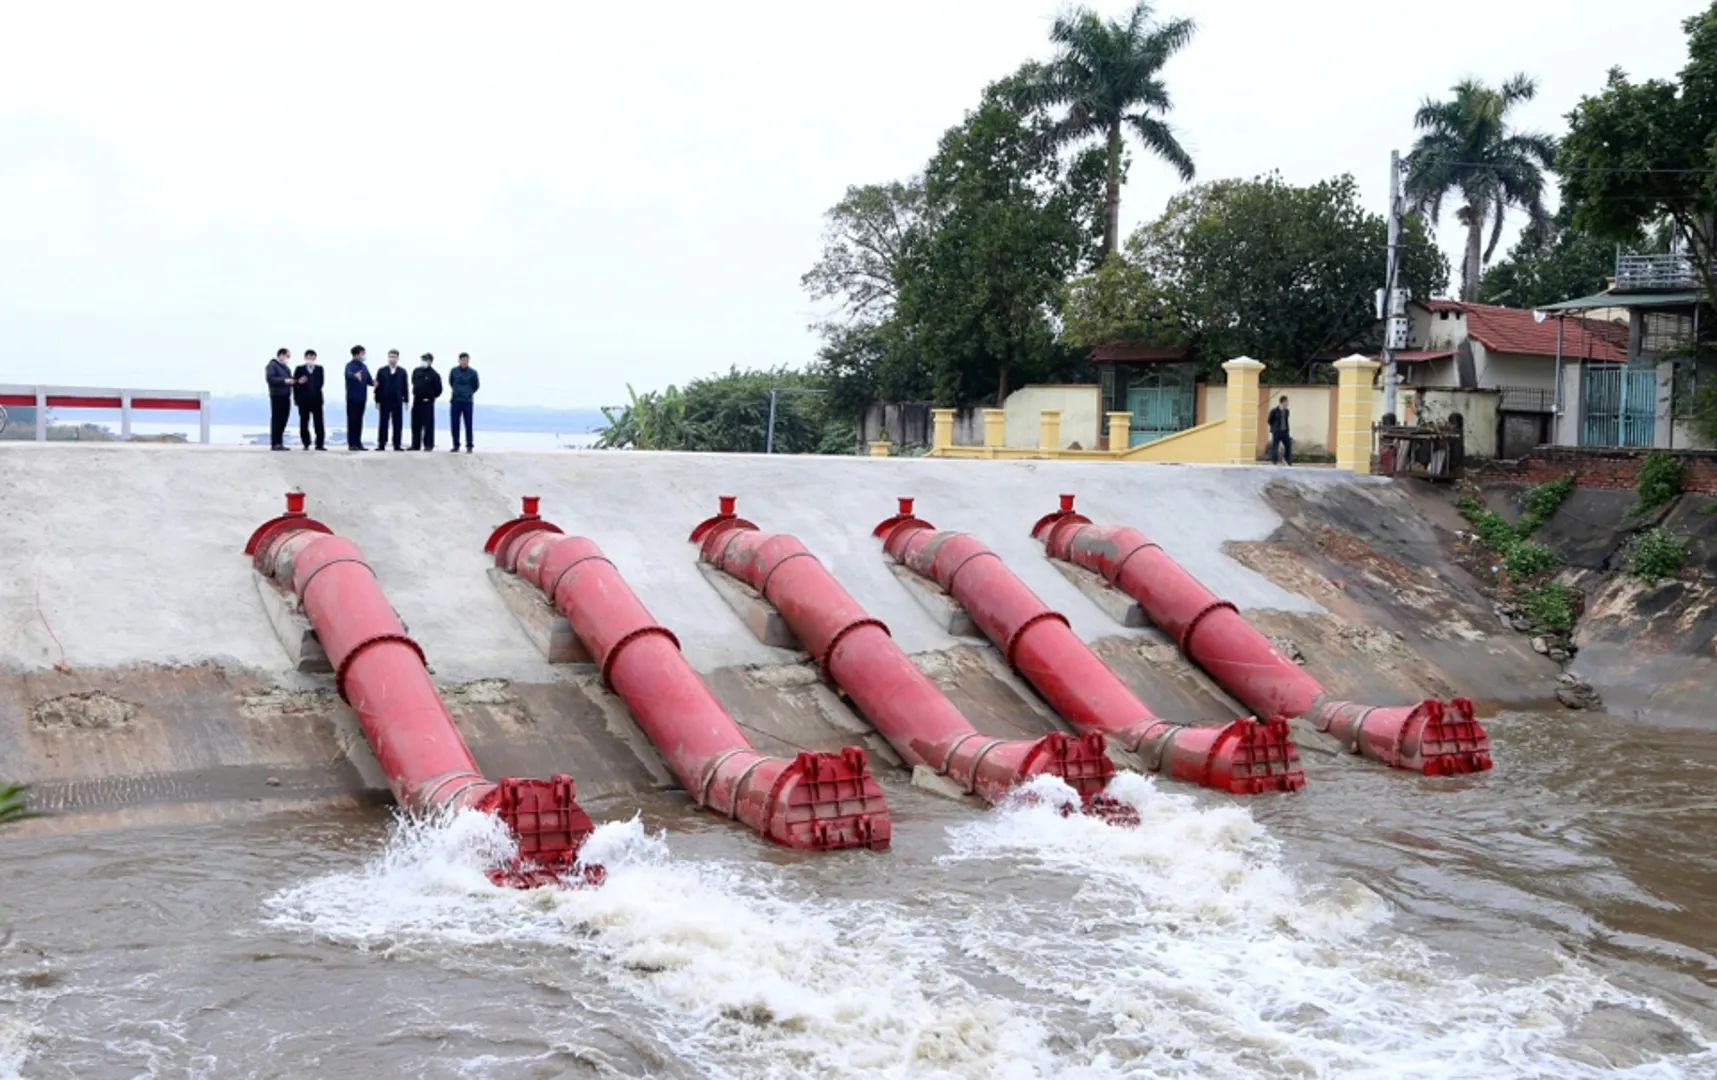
391,388
425,389
358,382
462,385
279,397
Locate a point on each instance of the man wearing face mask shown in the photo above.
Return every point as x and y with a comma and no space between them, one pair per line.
307,392
391,389
280,384
358,382
425,388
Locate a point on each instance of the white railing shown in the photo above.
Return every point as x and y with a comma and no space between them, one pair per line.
126,400
1646,272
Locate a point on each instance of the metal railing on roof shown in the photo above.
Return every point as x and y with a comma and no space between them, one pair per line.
1650,273
43,398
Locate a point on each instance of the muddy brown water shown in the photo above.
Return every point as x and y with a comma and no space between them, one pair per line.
1554,917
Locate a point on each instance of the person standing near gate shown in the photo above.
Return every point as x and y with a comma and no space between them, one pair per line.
358,382
307,389
279,397
425,389
462,386
391,390
1279,436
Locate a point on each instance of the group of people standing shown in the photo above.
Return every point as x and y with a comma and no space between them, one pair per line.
304,386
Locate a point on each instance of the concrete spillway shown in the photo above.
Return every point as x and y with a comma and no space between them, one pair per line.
140,666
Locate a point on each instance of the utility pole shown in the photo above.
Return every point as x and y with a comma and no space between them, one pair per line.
1392,303
769,438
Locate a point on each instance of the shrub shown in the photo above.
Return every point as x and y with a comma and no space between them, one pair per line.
1548,606
1542,501
1655,554
1659,481
1526,559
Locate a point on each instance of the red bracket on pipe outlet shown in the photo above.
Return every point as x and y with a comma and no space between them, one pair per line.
1066,513
725,519
294,518
528,521
904,516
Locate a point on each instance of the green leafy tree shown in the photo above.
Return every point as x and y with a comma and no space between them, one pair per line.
653,420
1542,270
1118,301
869,362
1281,273
862,238
1005,228
1107,76
1469,149
1637,154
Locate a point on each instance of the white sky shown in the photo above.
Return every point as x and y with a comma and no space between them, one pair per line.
582,195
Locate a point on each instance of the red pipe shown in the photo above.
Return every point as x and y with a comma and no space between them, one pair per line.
1244,757
380,672
819,801
1433,737
856,654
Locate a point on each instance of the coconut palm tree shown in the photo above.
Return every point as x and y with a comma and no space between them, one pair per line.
1468,148
1108,76
12,805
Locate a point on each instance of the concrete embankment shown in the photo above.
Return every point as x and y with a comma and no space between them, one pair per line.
140,671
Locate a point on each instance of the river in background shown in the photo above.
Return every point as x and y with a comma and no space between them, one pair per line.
1555,917
245,434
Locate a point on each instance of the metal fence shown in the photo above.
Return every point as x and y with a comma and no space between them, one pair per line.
1648,272
1526,399
127,401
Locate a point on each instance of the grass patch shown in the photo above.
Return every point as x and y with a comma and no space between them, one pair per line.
1542,501
1655,555
1548,606
1660,476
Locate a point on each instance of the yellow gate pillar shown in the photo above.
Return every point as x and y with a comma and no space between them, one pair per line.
995,428
1241,420
1049,429
942,429
1353,413
1120,431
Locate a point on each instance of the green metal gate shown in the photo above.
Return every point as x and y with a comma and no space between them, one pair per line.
1163,400
1618,406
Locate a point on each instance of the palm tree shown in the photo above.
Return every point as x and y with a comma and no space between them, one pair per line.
1468,148
1108,75
12,805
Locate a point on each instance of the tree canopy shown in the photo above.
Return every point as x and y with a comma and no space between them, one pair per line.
1281,273
730,414
1107,77
1468,148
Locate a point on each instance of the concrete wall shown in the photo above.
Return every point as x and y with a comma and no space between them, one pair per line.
910,424
1081,414
1513,369
1479,414
1311,414
1606,467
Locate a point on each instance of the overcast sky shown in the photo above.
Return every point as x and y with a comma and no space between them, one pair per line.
583,195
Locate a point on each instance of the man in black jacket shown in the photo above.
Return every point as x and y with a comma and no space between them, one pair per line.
391,390
307,389
279,398
425,388
1279,436
358,382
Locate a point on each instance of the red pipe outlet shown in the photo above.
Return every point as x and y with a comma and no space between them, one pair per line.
819,801
1432,737
856,654
379,671
1244,757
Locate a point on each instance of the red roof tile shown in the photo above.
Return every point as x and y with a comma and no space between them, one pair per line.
1516,330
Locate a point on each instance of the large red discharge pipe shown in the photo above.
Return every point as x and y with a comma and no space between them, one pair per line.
1244,757
380,672
1431,737
820,801
856,653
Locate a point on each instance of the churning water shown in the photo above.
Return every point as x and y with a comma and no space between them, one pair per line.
1540,920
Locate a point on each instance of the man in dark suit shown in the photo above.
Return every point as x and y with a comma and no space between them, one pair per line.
279,398
391,390
307,392
358,382
1281,437
425,388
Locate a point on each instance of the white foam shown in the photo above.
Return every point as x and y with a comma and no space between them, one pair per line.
1202,955
736,970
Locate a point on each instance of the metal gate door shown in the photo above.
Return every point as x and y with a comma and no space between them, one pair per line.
1163,401
1619,406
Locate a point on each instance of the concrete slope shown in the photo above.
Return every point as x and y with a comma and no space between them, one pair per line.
131,554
